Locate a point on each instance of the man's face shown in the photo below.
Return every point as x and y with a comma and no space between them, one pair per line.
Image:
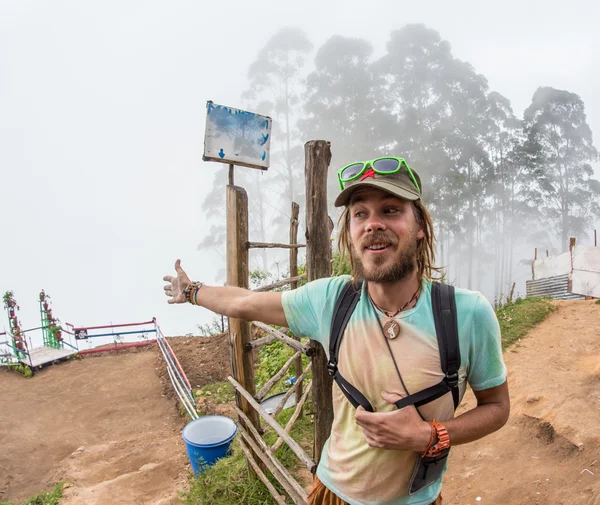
384,234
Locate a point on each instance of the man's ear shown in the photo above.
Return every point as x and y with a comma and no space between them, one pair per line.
420,234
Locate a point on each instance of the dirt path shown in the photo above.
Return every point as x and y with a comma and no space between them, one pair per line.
549,451
101,423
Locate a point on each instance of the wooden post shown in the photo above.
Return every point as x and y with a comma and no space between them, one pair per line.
595,241
318,264
231,183
294,285
237,275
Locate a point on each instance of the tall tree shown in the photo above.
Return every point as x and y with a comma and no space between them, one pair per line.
275,86
439,104
340,106
561,142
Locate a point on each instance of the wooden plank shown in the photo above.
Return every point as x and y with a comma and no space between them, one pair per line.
278,284
261,341
294,344
273,380
293,445
276,496
237,275
298,489
285,398
318,263
290,423
294,285
268,245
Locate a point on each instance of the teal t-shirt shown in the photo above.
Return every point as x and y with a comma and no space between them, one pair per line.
354,471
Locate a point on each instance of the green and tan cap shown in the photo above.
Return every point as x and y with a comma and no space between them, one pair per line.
398,184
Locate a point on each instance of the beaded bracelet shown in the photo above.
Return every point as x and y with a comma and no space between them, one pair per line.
191,290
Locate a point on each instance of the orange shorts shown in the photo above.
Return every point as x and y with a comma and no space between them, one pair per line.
320,495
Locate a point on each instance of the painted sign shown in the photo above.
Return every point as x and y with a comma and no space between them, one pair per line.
237,137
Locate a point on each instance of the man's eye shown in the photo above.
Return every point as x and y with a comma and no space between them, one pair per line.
391,210
359,213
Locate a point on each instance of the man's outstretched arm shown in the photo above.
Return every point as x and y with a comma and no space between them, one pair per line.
229,301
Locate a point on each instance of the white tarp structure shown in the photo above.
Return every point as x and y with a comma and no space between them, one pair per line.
581,263
585,274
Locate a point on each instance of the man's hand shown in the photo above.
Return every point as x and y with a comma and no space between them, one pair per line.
400,430
176,285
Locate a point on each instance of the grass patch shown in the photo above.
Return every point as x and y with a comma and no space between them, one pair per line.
51,497
22,369
598,301
520,316
218,392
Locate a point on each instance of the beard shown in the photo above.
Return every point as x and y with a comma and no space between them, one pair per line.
400,267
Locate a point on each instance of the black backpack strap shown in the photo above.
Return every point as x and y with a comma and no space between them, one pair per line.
446,329
342,312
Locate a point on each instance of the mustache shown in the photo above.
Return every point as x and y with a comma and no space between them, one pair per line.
379,237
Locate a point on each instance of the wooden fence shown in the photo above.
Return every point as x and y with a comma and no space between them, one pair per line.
251,415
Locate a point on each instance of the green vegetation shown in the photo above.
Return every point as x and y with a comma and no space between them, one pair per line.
218,392
24,370
229,480
598,301
51,497
520,316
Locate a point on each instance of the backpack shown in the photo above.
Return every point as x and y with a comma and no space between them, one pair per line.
446,328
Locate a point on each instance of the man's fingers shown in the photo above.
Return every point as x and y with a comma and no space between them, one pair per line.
168,278
171,301
168,287
390,397
178,268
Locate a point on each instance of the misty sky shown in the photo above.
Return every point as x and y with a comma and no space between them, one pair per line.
102,113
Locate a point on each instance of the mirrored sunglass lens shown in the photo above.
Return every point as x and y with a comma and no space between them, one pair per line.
351,170
386,165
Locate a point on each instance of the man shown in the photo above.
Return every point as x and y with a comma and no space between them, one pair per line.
389,346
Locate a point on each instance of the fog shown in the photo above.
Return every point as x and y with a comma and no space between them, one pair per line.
102,113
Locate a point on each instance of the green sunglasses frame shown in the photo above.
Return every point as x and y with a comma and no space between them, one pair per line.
365,164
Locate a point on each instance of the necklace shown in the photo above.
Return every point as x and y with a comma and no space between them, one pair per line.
391,328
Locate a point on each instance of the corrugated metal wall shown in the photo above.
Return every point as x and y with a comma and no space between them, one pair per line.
553,287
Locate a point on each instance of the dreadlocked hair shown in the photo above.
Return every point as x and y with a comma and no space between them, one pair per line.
425,248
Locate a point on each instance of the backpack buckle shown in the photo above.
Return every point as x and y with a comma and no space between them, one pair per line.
452,379
331,368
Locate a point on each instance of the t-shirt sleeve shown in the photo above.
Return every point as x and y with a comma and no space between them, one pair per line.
309,309
486,365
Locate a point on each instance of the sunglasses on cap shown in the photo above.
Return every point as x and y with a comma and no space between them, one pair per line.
385,165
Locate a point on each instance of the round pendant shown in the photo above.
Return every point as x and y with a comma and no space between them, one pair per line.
391,329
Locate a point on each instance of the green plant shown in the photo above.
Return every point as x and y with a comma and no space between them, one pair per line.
520,316
6,297
51,497
271,358
598,301
340,266
21,368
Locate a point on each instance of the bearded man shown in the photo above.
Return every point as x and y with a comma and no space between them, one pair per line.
389,453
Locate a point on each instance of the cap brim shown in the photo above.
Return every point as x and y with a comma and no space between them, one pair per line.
344,197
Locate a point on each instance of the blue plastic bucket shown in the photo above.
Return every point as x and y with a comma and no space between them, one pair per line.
208,439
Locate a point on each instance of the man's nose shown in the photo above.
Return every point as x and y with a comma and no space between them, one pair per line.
374,223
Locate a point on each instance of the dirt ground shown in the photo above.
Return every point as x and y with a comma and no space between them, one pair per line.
109,425
549,451
102,423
